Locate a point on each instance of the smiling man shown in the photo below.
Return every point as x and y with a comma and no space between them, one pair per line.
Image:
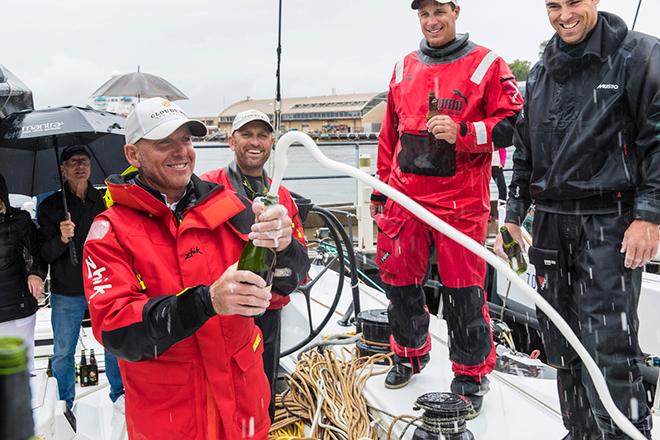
164,292
252,140
443,163
587,149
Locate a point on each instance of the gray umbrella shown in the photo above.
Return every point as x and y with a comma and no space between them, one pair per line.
140,85
14,95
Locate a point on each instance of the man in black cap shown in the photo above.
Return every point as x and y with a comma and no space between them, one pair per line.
450,105
67,300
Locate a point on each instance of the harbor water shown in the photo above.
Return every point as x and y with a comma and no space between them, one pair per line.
301,165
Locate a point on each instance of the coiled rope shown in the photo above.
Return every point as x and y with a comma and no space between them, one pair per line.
325,392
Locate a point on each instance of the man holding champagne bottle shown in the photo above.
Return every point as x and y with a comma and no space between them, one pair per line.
164,292
450,104
251,140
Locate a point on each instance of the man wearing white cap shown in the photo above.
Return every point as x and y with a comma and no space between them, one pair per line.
252,141
450,104
165,295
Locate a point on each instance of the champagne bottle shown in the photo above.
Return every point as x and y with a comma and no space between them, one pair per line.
15,407
513,251
84,371
259,260
93,369
433,111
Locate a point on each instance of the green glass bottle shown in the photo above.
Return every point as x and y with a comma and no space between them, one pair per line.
93,369
433,111
259,260
83,370
15,403
513,251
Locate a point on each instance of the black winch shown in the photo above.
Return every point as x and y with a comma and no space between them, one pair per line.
375,329
444,413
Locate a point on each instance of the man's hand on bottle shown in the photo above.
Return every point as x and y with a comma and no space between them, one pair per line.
516,234
640,243
443,128
239,292
272,228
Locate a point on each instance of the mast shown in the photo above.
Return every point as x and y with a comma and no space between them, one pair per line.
278,96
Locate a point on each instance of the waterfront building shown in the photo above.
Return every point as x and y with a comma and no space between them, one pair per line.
318,116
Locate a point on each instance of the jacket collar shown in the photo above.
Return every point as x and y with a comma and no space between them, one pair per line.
130,191
92,193
460,42
562,60
242,221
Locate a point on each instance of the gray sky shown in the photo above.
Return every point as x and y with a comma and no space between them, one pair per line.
220,51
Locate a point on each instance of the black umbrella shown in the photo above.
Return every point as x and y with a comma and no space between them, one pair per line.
141,85
14,95
30,142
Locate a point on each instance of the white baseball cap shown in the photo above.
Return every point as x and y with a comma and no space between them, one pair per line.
246,116
157,118
416,3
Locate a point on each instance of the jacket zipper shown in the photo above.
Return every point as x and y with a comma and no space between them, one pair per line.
624,156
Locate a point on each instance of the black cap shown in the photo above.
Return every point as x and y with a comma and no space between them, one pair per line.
72,150
417,3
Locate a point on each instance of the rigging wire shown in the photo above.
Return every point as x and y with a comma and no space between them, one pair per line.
636,14
278,95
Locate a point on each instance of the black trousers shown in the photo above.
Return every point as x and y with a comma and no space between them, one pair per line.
270,324
498,177
581,273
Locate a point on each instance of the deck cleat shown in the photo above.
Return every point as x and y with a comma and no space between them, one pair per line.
444,414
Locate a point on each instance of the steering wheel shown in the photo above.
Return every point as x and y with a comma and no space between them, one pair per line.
341,241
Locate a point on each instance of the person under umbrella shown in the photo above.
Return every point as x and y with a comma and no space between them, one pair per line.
31,141
21,281
63,229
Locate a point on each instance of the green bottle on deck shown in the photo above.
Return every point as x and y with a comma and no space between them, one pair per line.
49,368
259,260
93,369
513,251
15,402
84,370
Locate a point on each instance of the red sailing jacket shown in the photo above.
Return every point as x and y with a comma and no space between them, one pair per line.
477,90
188,373
228,177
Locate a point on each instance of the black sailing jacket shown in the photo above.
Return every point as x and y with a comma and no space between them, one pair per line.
589,134
18,238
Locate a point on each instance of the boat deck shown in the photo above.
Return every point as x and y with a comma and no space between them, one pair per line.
516,408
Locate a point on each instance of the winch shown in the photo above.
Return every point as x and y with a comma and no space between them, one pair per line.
444,413
375,329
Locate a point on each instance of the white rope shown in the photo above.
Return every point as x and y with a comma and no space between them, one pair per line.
423,214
